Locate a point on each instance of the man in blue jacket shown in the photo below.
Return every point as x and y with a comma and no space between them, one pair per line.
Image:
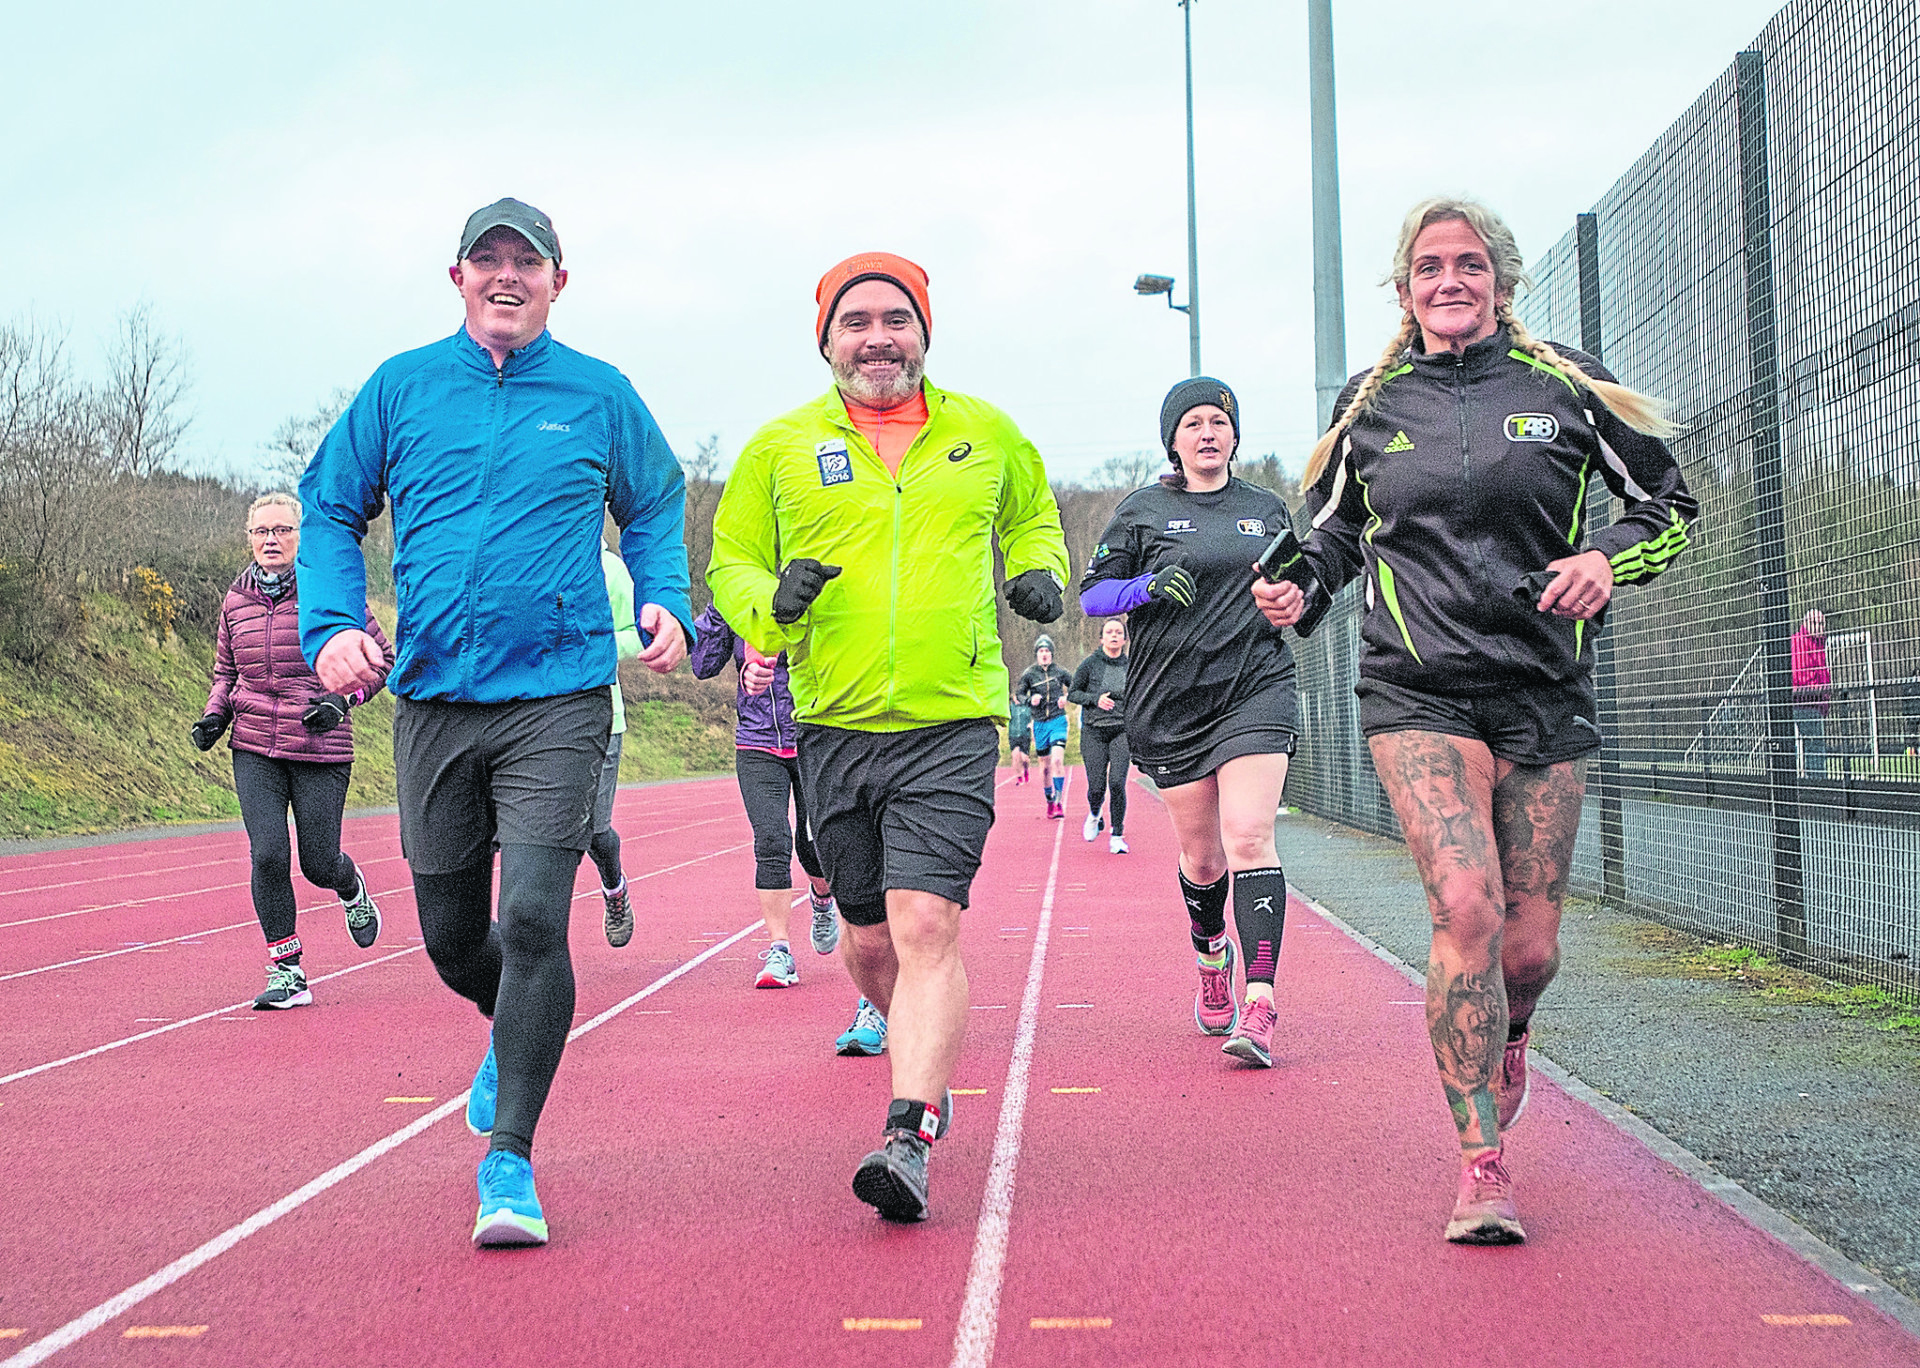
500,451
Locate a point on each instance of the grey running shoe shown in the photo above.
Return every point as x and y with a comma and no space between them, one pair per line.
893,1179
826,924
286,987
363,918
1510,1084
619,918
780,971
1485,1213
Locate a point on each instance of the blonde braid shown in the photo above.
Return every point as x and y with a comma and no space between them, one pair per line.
1361,401
1641,412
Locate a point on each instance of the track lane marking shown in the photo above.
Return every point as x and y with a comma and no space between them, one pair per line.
85,1324
980,1308
225,888
338,973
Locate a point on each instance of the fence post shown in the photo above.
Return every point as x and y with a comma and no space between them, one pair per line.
1613,841
1769,506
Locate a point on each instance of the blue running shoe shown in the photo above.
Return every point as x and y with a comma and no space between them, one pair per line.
509,1212
485,1097
867,1035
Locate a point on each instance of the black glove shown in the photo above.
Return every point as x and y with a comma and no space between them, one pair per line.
1172,584
800,584
1035,596
207,731
327,712
1533,585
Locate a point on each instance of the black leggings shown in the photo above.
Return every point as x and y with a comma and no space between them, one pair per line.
1107,760
767,781
517,970
317,793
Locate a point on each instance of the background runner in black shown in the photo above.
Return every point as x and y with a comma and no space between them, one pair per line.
1100,688
1471,445
1044,688
1211,708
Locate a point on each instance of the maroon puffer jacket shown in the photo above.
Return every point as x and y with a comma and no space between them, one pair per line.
264,684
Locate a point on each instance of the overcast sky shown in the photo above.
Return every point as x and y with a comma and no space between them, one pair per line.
285,184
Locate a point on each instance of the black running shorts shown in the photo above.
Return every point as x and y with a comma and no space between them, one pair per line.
1266,724
908,810
1548,725
473,775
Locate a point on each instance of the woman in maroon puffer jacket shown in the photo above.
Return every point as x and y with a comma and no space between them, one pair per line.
292,747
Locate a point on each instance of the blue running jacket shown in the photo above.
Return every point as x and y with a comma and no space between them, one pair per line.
499,480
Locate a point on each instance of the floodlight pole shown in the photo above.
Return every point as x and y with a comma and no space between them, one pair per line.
1193,244
1329,288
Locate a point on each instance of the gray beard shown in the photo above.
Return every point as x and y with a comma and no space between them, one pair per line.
864,392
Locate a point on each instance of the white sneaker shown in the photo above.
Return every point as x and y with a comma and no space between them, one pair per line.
1117,844
1094,823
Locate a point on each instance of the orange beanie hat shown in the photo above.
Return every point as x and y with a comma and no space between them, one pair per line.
871,266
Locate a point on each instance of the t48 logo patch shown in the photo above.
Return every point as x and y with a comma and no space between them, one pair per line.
1532,427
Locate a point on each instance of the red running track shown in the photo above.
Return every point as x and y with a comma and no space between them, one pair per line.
194,1182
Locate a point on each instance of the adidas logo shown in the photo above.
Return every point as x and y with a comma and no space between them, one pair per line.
1400,442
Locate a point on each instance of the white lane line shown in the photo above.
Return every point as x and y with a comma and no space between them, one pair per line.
354,968
980,1311
129,950
83,1325
192,1020
223,888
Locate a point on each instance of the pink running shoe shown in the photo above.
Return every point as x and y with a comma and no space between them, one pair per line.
1253,1037
1215,1011
1510,1084
1485,1213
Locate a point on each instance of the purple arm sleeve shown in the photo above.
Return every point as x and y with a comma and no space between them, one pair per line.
1105,597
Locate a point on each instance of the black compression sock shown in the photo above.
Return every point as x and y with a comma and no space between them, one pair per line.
1260,912
1206,910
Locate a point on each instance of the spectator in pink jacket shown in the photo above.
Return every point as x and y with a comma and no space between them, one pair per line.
292,747
1812,691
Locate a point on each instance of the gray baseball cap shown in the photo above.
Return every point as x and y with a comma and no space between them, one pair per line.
524,219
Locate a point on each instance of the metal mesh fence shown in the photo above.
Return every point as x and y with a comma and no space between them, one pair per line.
1759,268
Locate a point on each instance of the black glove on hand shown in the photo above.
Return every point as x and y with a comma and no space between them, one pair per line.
1172,584
327,712
207,731
1035,596
800,584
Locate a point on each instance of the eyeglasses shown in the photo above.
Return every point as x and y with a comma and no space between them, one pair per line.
282,532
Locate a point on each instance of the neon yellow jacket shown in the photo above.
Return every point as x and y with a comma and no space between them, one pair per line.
906,636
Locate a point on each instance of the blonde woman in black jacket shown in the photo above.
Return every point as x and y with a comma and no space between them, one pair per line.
1454,478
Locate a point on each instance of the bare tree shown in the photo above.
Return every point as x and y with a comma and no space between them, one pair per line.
702,471
284,456
55,467
144,401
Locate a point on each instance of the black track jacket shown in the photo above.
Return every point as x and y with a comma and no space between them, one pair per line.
1469,472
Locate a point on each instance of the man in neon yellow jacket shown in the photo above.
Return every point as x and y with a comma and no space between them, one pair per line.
856,534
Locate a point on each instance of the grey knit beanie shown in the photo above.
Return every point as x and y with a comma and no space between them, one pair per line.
1191,394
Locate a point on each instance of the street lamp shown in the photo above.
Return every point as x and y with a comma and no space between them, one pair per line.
1153,284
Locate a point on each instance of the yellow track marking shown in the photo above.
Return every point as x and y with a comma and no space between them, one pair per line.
1818,1319
164,1331
1070,1323
879,1323
1075,1090
409,1099
968,1092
